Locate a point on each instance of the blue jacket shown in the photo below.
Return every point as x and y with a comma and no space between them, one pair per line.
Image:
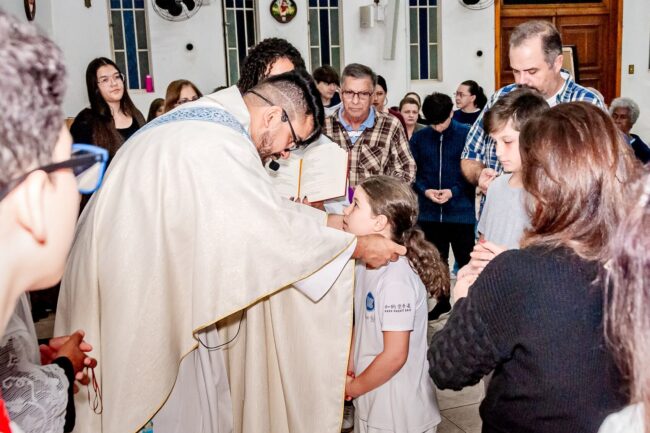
438,167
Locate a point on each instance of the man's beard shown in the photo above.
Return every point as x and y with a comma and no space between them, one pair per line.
264,146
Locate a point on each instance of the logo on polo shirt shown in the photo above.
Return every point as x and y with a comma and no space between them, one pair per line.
398,308
370,302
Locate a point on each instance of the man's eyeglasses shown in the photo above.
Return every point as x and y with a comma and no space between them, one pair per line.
105,80
297,141
349,95
88,163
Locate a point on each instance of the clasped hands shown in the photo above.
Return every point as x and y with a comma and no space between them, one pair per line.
483,253
74,348
440,196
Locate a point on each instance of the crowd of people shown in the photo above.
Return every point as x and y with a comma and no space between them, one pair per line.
195,298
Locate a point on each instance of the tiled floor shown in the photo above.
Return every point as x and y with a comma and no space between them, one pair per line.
459,410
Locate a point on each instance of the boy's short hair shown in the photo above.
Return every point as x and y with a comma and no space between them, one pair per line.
326,74
519,105
437,108
32,89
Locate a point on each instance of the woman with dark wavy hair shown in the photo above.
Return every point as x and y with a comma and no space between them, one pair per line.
534,316
112,117
628,312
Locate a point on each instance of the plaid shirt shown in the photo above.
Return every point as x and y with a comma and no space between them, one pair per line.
481,147
381,148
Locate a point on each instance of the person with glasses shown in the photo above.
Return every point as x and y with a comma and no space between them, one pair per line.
41,175
470,100
180,92
112,117
181,266
536,61
376,141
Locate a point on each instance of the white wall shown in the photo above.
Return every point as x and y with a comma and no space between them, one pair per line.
43,19
459,60
636,49
83,34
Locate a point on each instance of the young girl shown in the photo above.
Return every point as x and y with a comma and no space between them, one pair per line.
389,377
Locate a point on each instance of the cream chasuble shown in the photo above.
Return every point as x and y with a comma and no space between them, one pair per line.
186,233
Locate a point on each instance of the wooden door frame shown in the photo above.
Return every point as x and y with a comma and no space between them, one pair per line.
568,9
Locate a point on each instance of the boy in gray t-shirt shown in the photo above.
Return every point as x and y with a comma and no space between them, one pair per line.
504,217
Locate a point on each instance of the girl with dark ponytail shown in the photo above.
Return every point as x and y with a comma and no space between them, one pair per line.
389,341
470,100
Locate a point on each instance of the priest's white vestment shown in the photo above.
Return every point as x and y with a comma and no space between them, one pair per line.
187,245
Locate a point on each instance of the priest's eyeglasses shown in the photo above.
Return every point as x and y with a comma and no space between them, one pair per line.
88,163
297,141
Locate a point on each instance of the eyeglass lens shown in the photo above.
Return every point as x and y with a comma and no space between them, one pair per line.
88,175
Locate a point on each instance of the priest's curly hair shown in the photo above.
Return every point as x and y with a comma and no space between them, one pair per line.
395,199
261,57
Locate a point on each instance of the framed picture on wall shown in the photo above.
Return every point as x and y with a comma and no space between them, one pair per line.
570,61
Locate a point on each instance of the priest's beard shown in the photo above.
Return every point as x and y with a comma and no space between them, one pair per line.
264,146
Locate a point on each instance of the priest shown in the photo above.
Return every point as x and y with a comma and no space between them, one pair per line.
213,304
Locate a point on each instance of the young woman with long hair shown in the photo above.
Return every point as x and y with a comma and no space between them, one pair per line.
112,117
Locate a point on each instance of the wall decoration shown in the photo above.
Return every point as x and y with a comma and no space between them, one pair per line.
30,9
283,10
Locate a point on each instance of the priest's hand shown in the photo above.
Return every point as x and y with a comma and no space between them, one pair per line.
376,251
320,205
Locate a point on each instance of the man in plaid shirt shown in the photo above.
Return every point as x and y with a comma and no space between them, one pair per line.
536,61
376,141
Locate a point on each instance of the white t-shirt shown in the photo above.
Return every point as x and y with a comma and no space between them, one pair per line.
393,298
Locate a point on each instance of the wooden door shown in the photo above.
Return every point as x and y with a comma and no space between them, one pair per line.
594,28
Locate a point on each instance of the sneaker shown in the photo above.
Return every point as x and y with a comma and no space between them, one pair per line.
348,418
